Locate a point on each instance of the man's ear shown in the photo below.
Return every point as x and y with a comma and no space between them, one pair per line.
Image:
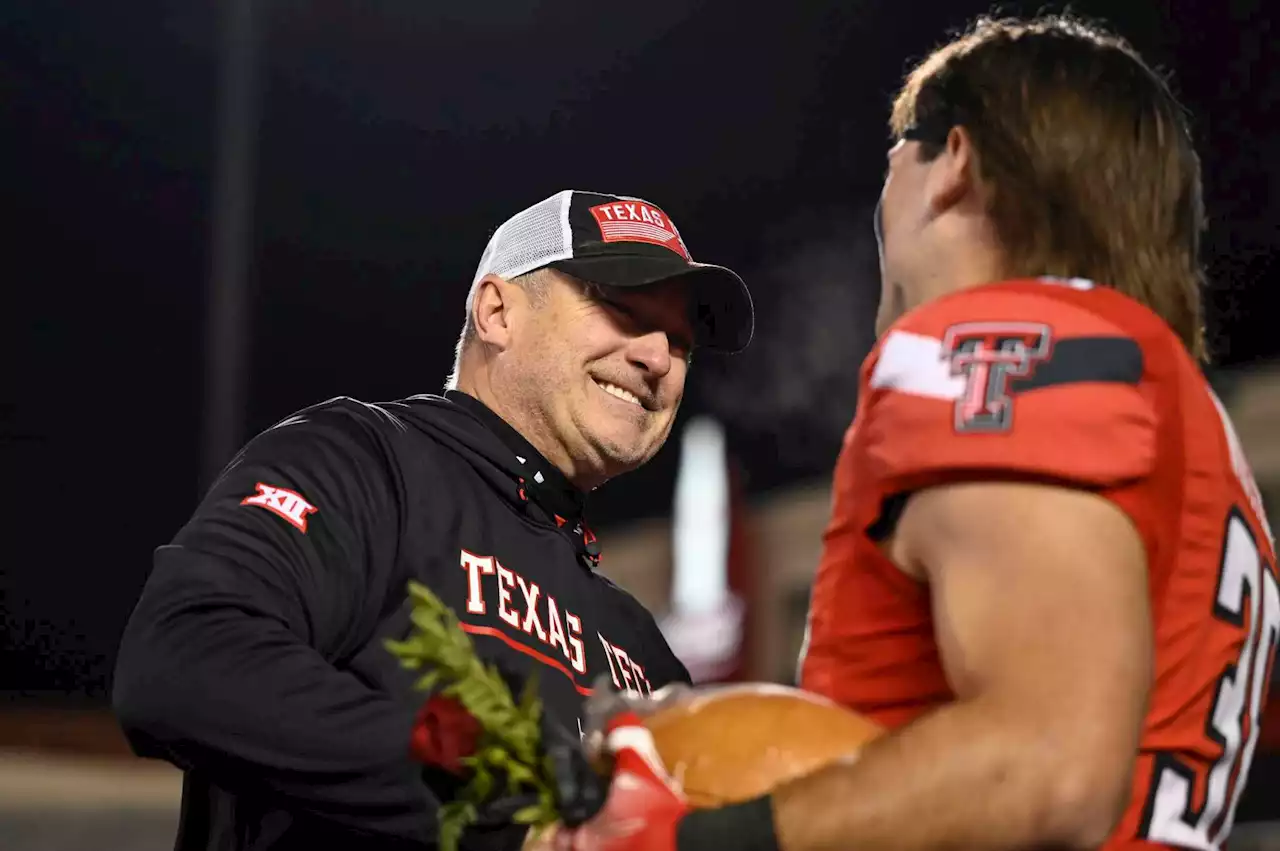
495,301
953,173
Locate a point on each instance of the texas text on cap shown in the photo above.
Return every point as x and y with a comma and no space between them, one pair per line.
621,242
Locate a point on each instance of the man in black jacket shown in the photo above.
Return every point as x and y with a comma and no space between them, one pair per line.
255,659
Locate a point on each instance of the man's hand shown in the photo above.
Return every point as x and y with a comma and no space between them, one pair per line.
579,787
643,805
638,807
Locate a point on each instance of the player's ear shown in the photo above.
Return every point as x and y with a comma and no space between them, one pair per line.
493,310
953,173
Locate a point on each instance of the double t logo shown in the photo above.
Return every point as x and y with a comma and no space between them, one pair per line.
987,355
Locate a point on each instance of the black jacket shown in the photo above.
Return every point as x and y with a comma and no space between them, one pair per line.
255,659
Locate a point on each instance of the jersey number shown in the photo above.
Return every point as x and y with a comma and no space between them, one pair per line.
1247,593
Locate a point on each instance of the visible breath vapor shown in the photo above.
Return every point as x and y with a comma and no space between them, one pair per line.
796,384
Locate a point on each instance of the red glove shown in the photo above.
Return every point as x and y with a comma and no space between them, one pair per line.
643,805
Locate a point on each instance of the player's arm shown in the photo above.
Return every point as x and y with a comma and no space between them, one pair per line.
1040,607
224,667
1039,595
1023,526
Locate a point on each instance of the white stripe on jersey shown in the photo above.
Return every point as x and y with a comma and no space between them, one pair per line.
913,364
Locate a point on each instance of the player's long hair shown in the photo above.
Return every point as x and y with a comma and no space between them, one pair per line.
1087,151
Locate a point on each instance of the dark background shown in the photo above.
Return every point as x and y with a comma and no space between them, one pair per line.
392,137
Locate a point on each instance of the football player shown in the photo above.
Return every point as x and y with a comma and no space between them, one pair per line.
1047,570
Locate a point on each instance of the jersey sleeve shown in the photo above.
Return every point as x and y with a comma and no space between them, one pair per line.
227,665
1023,387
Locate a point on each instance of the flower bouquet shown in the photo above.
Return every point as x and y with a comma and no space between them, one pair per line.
472,725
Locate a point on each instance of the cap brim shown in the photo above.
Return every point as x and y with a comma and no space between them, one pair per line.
723,315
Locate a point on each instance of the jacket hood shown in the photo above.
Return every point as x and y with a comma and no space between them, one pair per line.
503,458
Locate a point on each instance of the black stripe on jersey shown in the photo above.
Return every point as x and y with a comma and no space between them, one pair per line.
1085,359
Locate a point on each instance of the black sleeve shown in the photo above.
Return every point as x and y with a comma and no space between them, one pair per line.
667,668
225,666
673,670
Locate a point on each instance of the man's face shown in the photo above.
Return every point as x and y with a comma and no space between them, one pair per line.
606,370
900,217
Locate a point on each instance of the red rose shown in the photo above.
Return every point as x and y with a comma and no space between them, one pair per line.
443,733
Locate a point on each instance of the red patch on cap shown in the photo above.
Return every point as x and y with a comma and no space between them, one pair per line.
636,221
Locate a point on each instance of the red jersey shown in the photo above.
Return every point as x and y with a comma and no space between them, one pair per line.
1080,385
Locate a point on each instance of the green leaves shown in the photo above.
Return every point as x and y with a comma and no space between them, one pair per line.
531,814
454,818
510,743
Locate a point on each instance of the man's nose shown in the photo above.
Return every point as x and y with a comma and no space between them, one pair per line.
651,352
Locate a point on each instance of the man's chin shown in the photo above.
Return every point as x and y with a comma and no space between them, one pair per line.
621,457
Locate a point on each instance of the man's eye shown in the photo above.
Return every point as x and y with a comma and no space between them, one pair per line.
617,306
682,346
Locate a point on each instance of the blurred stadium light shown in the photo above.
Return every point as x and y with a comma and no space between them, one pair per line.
705,623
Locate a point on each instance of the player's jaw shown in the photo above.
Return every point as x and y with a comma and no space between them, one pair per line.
889,228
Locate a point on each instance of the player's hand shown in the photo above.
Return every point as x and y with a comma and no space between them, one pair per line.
606,703
643,804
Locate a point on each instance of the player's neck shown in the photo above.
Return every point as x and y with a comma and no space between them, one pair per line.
972,264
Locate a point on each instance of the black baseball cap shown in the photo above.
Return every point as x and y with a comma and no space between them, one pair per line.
619,241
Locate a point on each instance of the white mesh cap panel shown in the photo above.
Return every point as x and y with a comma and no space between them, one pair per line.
529,240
